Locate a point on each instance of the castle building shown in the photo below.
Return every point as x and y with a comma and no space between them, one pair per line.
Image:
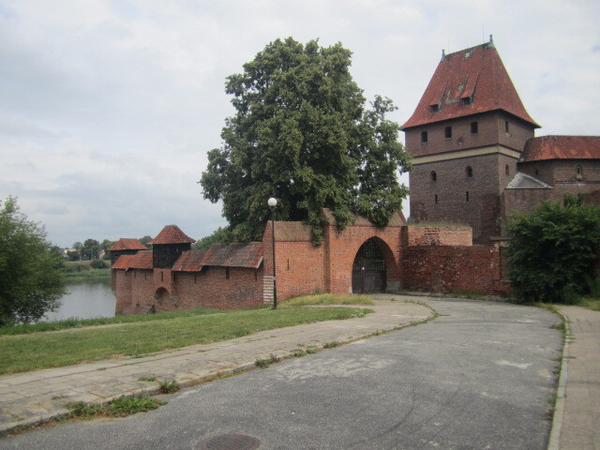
476,159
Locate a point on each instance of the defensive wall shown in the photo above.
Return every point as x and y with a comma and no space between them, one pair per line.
236,276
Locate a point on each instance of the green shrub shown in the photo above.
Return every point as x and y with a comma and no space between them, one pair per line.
98,264
552,251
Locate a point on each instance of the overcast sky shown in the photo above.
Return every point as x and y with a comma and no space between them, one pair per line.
108,107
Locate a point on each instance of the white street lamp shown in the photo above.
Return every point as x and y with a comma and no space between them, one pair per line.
272,202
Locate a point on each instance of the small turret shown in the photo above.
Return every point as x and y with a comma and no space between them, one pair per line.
168,246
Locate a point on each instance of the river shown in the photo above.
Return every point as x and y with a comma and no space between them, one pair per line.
85,300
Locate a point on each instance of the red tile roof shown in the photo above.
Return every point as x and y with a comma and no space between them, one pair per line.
467,82
561,147
141,260
171,234
189,261
248,255
127,244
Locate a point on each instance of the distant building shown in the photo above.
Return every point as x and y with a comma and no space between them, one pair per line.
476,159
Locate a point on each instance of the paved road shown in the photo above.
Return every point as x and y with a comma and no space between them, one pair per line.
478,377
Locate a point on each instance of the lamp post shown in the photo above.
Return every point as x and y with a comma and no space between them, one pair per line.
272,204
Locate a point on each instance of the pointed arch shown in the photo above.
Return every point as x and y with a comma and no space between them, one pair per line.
373,265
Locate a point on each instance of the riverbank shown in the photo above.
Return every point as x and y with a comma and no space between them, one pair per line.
170,330
76,271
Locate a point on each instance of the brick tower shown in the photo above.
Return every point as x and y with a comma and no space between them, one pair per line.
466,135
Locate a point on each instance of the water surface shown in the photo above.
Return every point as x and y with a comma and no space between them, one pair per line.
85,300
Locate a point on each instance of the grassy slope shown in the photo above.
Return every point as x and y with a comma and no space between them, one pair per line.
19,353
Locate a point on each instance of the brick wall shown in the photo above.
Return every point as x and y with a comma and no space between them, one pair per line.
454,196
220,288
341,249
417,236
444,269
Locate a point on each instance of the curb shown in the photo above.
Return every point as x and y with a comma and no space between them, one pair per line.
559,407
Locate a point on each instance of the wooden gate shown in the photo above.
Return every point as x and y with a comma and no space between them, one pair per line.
368,270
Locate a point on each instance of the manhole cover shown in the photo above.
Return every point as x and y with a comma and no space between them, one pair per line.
229,442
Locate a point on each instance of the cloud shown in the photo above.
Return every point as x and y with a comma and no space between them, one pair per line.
109,106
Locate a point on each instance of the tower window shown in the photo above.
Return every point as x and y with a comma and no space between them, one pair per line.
579,171
433,176
506,127
435,108
474,127
424,136
507,170
448,132
435,199
469,172
467,196
467,101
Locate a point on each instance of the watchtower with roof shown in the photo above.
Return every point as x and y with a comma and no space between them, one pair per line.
168,246
466,135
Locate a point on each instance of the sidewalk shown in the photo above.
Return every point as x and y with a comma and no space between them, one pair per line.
576,424
38,396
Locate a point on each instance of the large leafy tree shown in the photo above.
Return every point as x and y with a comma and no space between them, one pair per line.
552,250
302,134
30,268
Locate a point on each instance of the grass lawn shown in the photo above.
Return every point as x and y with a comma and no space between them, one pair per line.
150,334
591,303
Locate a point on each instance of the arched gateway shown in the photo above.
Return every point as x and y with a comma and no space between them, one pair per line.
369,272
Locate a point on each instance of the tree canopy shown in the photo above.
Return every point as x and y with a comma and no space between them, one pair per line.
552,251
302,134
30,268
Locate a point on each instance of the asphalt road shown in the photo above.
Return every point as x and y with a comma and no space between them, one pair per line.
478,377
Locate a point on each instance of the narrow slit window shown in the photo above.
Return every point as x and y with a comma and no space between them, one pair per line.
469,172
506,126
474,127
227,273
424,136
435,199
448,132
433,176
467,197
507,170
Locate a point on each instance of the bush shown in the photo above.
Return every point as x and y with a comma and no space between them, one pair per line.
552,251
98,264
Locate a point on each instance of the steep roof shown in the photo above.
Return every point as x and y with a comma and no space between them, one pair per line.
127,244
468,82
171,234
141,260
190,261
249,255
561,147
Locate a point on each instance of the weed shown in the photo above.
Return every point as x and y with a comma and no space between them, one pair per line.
311,350
299,353
148,379
331,344
82,410
169,386
262,363
274,359
121,407
125,406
